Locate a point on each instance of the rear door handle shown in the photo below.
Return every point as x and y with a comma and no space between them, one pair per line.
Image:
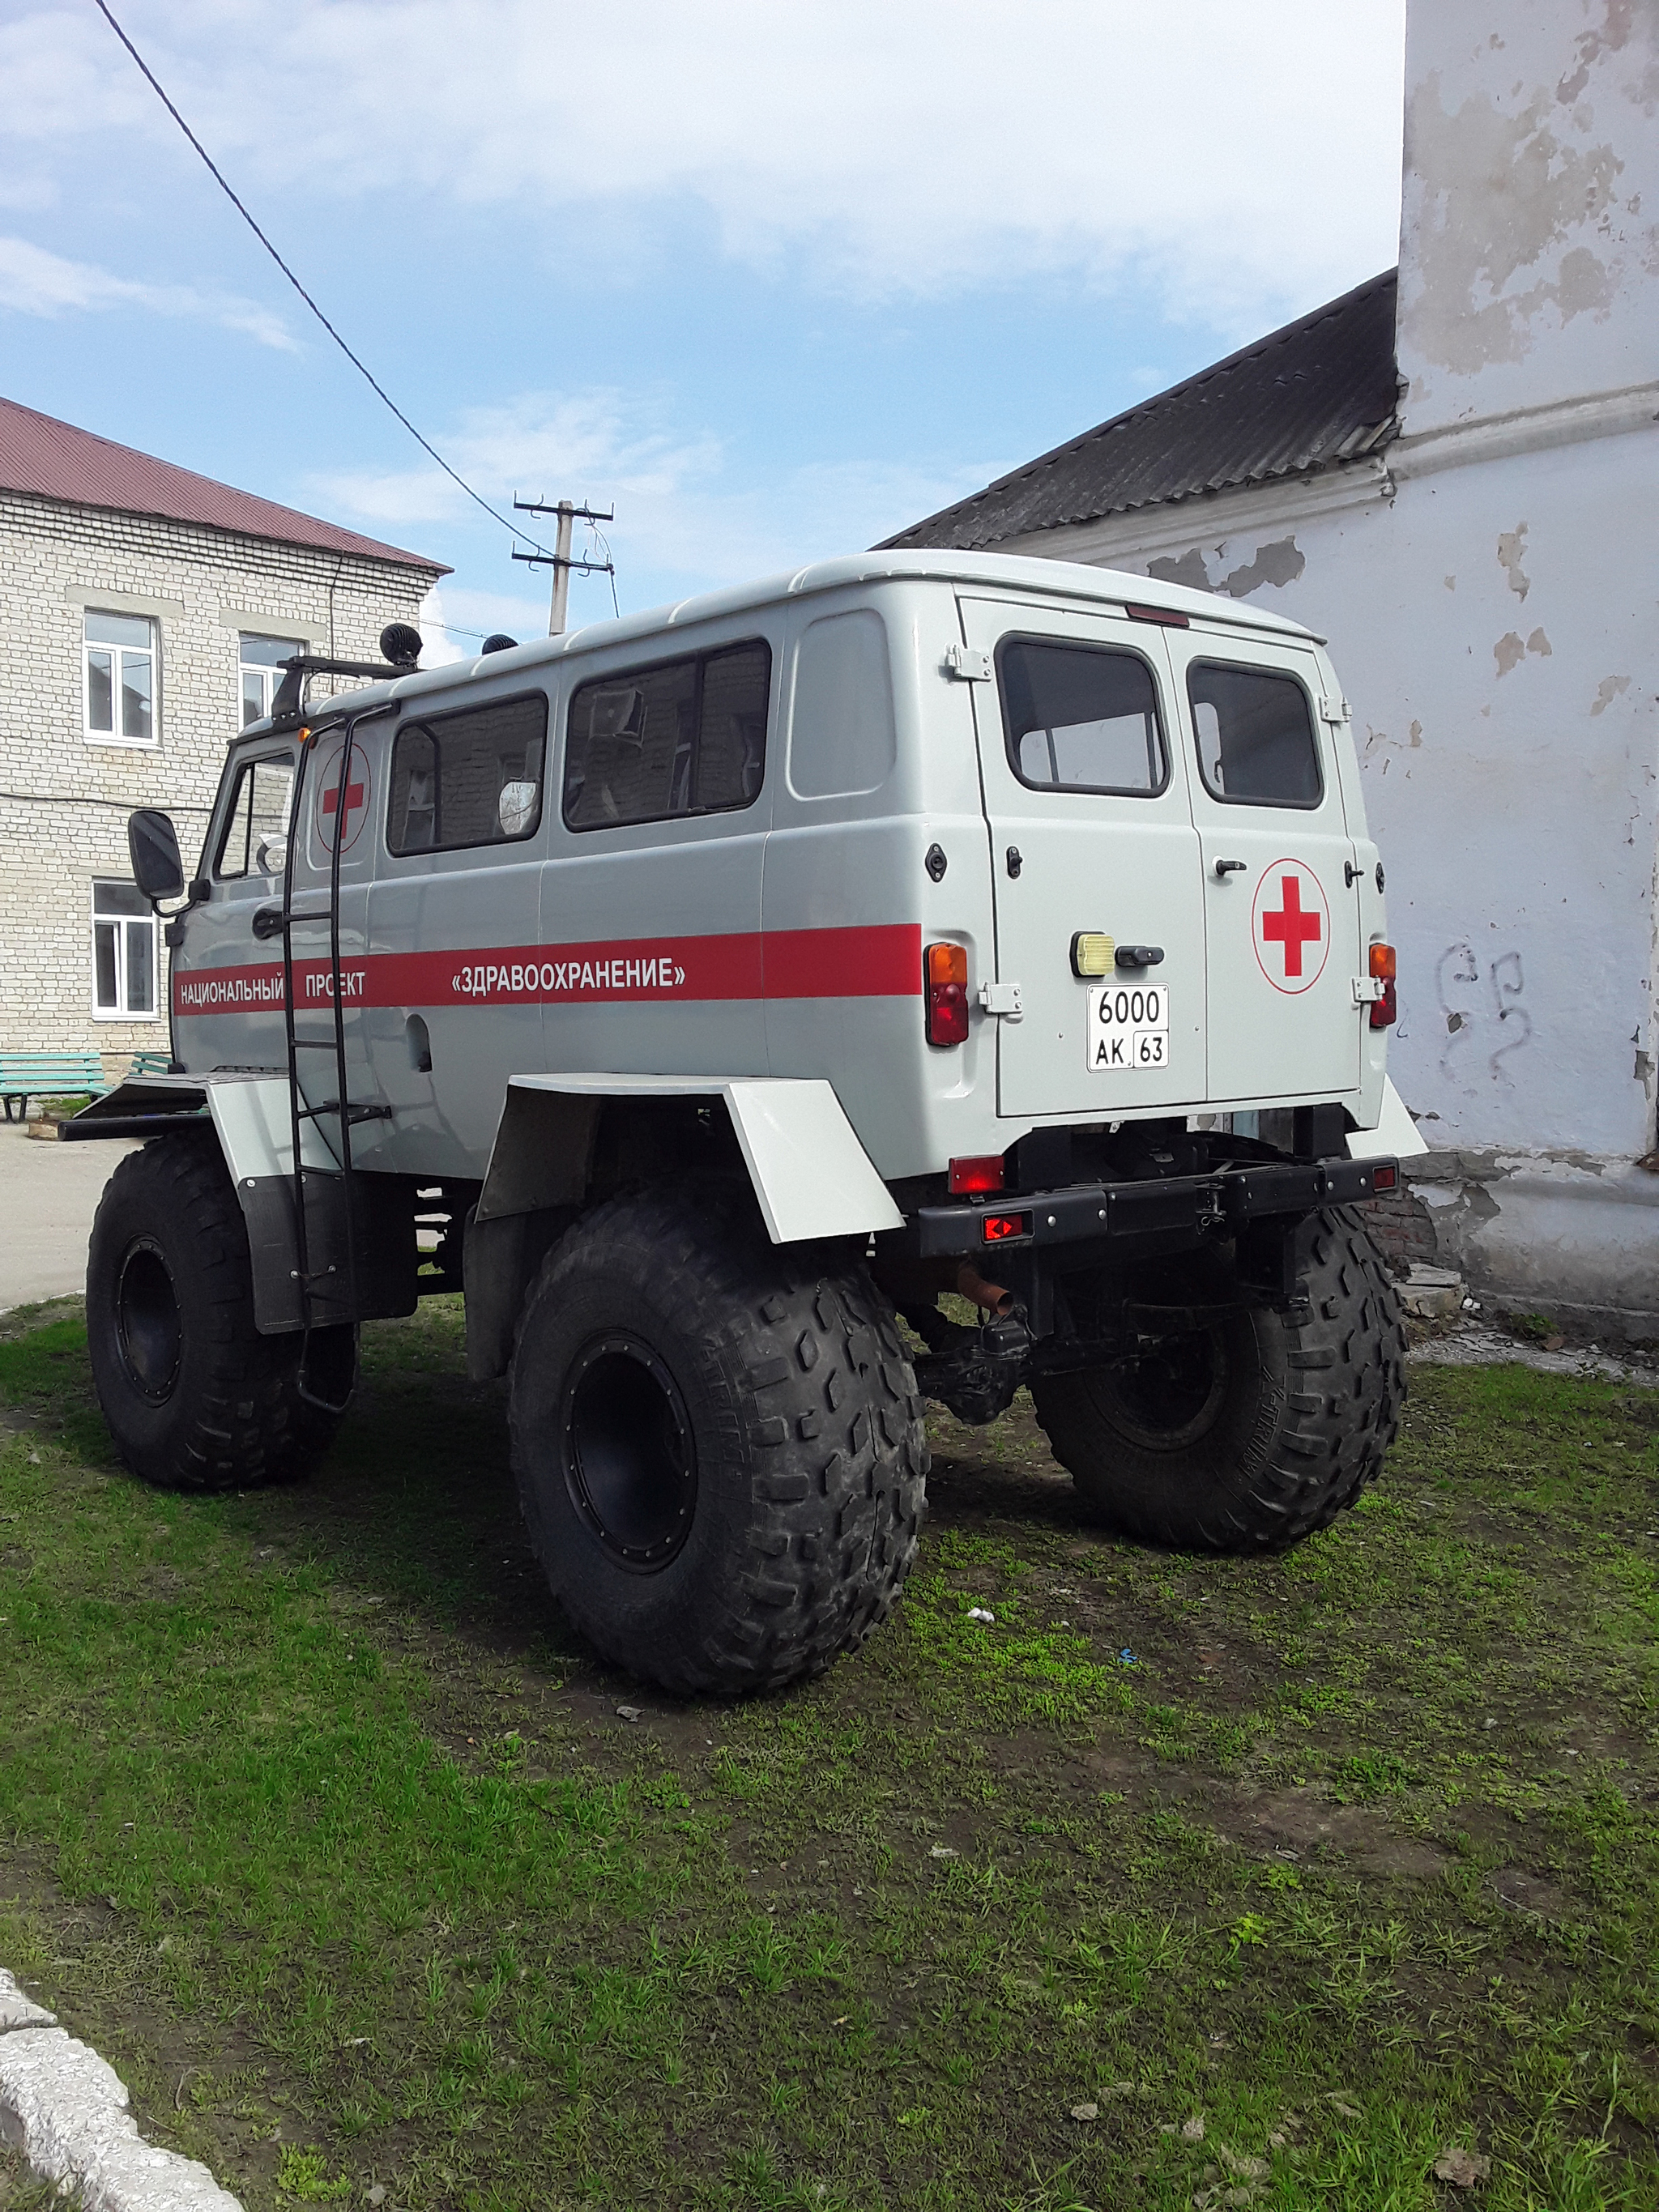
268,922
1225,868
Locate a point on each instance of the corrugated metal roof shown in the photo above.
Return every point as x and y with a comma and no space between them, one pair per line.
54,460
1317,393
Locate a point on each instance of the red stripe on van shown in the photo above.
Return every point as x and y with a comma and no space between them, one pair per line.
881,961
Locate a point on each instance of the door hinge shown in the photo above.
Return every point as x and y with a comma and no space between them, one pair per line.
1001,998
1334,711
1369,990
967,667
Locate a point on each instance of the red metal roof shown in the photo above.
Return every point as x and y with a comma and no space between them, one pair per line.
54,460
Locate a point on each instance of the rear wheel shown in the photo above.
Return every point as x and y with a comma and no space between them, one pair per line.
718,1443
1252,1429
195,1399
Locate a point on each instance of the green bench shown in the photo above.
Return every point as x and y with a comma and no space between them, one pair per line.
26,1075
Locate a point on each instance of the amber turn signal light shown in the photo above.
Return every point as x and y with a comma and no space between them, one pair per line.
1092,954
1385,1011
946,973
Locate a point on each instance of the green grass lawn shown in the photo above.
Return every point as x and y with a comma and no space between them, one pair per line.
1186,1882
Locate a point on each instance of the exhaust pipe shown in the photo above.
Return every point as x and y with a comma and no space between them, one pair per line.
990,1295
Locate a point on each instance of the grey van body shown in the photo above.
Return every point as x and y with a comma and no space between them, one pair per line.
713,860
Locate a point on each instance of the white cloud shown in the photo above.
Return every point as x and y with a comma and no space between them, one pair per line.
36,282
683,524
1243,159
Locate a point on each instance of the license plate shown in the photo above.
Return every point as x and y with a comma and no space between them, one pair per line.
1128,1026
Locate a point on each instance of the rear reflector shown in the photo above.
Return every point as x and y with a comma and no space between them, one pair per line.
998,1228
1385,1178
1167,615
981,1174
946,973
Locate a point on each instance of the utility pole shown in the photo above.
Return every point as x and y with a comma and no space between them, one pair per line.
559,560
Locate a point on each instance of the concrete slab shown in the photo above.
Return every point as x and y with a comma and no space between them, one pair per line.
52,1193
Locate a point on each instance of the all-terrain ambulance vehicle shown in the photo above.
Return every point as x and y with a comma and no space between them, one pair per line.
708,993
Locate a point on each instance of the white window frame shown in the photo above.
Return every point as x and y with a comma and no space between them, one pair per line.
270,677
121,924
88,646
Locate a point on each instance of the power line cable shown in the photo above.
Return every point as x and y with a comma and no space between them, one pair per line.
366,373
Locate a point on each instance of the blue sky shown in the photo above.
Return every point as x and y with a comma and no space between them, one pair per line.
775,277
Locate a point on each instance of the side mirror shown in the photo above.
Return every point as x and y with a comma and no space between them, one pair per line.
153,846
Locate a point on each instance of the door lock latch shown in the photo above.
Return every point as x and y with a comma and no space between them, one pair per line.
1001,998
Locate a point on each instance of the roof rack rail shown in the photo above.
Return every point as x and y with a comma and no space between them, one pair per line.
285,707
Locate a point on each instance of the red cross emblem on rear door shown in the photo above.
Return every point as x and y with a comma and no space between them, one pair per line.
328,801
1291,927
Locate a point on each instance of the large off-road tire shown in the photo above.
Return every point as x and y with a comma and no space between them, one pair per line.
719,1444
195,1397
1253,1430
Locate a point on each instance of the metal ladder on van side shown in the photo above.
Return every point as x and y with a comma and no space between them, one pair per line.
314,1279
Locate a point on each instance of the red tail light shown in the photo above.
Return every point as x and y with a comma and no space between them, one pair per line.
947,993
984,1174
1385,1011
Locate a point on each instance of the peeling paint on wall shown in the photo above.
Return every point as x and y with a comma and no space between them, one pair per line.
1539,190
1607,691
1189,569
1511,544
1509,651
1279,563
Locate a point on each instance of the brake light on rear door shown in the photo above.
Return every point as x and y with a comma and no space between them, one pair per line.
1384,1011
946,975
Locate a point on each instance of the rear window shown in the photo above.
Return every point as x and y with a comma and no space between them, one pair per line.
1081,718
473,778
686,737
1256,745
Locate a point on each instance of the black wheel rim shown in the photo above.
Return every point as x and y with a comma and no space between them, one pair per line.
1169,1396
630,1458
148,1326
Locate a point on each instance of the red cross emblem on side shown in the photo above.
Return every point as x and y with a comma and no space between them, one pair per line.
1290,925
327,773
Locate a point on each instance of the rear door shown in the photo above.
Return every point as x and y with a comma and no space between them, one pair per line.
1279,874
1092,837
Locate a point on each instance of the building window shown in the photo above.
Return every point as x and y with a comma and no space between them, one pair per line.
118,668
123,953
261,671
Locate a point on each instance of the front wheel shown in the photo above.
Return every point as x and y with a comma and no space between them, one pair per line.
195,1399
718,1443
1253,1429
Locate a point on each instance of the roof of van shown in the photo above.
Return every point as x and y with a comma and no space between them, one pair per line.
1005,572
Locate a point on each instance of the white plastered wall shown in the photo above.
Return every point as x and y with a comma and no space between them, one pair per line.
1489,588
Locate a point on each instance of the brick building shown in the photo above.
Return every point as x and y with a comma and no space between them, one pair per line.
145,609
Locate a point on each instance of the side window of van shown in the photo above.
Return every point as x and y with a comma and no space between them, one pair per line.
255,842
682,737
471,778
842,739
1256,745
1081,718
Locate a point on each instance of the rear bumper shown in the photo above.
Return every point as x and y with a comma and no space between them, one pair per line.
1180,1208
